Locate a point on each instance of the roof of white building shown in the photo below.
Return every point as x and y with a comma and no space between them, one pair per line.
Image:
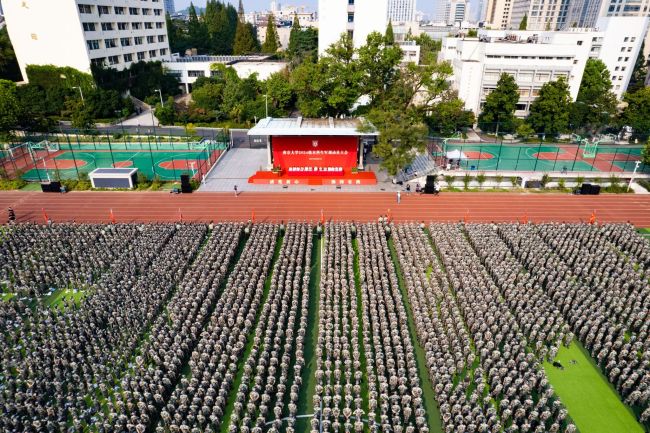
297,126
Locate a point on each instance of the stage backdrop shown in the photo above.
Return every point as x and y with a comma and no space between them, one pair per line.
315,155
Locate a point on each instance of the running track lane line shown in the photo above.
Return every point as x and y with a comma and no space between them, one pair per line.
340,206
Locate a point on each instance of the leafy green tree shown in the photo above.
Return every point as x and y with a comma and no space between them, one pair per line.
378,60
280,94
637,112
198,34
209,96
429,48
639,73
166,114
9,69
178,40
595,104
309,82
524,22
549,113
390,35
80,114
245,39
525,131
9,108
448,116
294,36
272,42
499,109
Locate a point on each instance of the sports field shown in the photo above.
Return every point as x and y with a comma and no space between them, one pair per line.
590,399
543,157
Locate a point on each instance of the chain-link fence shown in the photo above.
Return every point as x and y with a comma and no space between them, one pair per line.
62,156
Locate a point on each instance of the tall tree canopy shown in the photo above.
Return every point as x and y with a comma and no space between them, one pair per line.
639,73
595,104
272,41
637,112
549,113
9,69
500,105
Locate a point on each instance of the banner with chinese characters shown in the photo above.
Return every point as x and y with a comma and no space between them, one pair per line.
315,155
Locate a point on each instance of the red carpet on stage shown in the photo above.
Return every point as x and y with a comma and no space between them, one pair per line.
347,178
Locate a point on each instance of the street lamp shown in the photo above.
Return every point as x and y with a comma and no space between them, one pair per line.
80,92
266,97
162,104
636,167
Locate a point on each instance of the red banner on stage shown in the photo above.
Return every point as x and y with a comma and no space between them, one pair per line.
300,156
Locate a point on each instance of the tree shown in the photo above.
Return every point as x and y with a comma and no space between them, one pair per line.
209,96
272,42
639,73
595,104
524,22
525,131
637,112
166,114
378,60
645,153
549,113
9,107
245,39
294,36
197,31
9,69
499,109
178,41
390,35
80,115
449,116
429,48
280,93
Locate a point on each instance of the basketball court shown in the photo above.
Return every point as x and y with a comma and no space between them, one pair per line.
545,157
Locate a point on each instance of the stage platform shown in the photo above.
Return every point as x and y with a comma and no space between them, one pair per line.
271,178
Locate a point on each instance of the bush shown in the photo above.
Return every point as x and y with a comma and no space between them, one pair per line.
450,180
514,181
481,178
614,180
466,180
644,183
498,179
545,180
143,182
195,184
561,183
580,180
6,185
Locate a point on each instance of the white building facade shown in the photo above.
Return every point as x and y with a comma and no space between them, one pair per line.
78,33
400,11
497,14
356,18
535,58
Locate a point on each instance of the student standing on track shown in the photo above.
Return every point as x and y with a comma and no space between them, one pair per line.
236,193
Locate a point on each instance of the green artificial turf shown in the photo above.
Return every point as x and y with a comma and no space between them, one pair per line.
590,399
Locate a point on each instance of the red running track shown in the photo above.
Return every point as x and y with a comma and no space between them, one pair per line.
486,207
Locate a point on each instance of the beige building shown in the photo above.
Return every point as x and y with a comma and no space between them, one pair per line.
498,14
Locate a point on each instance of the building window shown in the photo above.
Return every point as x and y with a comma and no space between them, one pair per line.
159,25
136,26
122,26
126,42
163,51
351,2
633,39
161,38
146,11
119,10
626,39
103,10
134,11
85,9
98,61
627,59
617,68
629,49
152,53
113,60
351,34
138,40
579,42
157,12
110,43
141,55
93,44
196,73
89,27
128,58
107,27
350,17
148,26
620,59
623,68
521,107
151,39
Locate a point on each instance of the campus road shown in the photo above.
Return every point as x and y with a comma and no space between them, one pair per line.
339,206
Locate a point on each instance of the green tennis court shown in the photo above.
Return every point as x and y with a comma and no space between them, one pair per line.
166,165
544,157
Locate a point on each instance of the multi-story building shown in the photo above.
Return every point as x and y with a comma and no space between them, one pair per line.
534,58
401,10
169,7
79,33
540,14
497,14
356,18
457,11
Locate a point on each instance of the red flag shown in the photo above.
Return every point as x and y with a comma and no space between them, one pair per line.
525,220
45,216
180,215
388,218
466,215
112,216
253,215
322,217
592,218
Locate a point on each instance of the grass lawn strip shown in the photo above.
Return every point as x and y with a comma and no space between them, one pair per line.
592,402
434,419
306,395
